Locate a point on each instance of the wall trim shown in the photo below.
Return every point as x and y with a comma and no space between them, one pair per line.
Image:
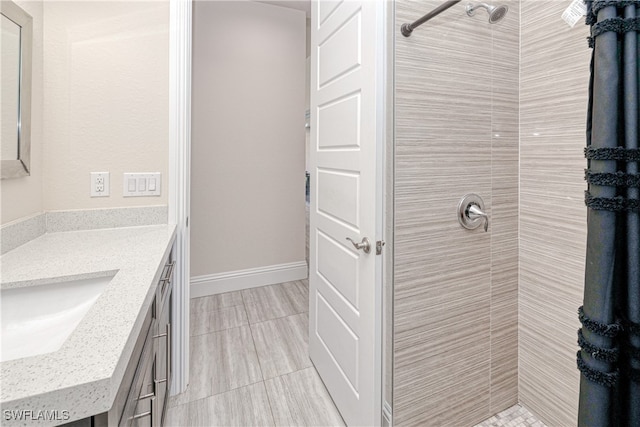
180,20
218,283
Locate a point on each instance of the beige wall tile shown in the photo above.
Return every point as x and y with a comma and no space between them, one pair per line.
455,290
553,101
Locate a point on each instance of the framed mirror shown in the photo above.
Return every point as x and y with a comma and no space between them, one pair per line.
15,90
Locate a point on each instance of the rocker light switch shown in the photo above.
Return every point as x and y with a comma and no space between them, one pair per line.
142,184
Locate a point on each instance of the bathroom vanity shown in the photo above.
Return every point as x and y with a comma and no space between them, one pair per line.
91,312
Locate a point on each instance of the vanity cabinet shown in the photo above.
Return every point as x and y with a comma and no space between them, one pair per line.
142,398
163,342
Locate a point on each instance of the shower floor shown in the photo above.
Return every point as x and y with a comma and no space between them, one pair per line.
516,416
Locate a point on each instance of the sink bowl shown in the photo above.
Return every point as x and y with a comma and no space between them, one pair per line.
38,319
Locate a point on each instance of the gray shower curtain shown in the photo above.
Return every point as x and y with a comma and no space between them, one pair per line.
609,359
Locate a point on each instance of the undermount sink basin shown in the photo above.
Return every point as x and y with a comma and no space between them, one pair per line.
38,319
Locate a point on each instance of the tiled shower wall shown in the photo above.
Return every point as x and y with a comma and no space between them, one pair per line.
472,100
554,81
455,290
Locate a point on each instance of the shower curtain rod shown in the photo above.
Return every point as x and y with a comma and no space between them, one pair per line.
407,29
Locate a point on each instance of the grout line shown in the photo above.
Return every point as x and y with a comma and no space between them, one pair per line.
293,372
280,317
253,340
216,394
273,417
223,329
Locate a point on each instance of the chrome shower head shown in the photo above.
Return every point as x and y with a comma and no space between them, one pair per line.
496,13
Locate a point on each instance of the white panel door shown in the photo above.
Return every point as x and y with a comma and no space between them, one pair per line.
346,195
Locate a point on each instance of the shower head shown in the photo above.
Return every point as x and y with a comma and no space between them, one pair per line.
496,13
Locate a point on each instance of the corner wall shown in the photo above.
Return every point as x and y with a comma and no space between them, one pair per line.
554,78
455,290
248,142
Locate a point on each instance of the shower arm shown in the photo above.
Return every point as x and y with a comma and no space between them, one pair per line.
407,29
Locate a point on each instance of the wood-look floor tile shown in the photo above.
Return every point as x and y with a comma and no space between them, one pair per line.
203,322
233,359
177,415
219,362
245,406
199,371
301,399
271,302
282,345
297,293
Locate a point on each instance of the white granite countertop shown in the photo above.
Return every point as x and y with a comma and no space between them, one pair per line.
83,376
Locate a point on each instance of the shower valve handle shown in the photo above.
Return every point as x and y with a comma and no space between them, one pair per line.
474,212
471,212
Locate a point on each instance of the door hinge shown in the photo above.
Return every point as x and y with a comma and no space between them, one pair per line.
379,245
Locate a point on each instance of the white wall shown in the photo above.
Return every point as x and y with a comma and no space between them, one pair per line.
100,103
23,196
247,137
106,99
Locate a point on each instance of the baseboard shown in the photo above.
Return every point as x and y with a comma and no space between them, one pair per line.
219,283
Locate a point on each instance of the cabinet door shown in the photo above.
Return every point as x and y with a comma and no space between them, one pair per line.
144,415
138,410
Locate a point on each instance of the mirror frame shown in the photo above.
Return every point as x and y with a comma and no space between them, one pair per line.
22,165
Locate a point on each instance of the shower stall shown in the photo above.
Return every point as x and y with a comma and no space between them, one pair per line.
490,100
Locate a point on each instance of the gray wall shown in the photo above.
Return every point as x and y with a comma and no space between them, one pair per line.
455,290
553,104
248,137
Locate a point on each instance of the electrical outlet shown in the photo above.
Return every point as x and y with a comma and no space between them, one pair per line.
99,184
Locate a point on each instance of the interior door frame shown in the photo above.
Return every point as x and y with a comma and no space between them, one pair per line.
179,188
180,46
384,176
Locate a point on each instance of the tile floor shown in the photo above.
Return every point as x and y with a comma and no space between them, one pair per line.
250,365
516,416
249,362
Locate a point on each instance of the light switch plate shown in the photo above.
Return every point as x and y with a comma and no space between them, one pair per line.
141,184
100,184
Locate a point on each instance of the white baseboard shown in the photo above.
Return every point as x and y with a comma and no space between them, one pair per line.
219,283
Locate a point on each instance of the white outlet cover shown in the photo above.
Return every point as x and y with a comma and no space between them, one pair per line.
98,190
